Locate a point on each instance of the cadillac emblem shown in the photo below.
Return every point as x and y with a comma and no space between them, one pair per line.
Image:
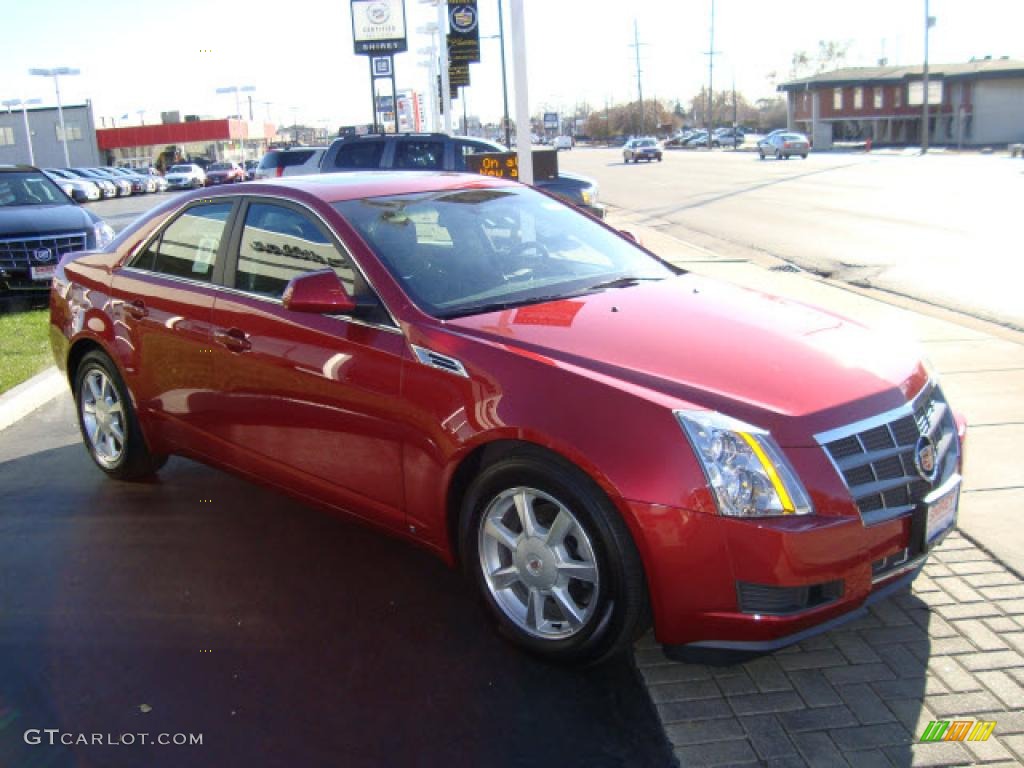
42,254
378,13
925,460
463,19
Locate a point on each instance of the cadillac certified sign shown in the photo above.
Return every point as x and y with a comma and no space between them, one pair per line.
925,459
378,26
464,38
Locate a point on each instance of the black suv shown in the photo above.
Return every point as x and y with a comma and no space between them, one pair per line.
440,152
38,225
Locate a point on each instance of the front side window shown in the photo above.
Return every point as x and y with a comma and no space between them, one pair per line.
420,155
189,246
464,149
462,252
280,243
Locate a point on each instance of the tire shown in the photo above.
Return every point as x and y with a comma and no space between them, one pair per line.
105,410
804,156
588,588
659,158
778,154
761,154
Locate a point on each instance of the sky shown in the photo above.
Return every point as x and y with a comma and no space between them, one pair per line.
172,55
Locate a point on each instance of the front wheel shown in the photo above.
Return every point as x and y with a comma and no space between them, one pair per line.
778,154
108,422
553,560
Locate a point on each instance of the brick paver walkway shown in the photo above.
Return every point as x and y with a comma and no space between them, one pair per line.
950,648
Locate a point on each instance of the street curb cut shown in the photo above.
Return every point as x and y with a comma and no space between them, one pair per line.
19,402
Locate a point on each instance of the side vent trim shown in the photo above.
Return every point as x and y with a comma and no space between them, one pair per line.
439,361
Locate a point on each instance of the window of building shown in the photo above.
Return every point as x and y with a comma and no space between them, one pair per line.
877,93
74,131
858,98
897,96
805,99
837,98
6,135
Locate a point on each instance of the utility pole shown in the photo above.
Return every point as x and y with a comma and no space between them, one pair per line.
504,77
709,117
639,84
928,23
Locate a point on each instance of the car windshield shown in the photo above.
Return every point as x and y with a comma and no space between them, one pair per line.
29,189
220,167
646,143
464,252
181,169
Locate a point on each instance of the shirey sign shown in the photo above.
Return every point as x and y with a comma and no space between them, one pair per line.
378,26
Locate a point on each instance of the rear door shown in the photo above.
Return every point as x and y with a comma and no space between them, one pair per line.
308,400
162,304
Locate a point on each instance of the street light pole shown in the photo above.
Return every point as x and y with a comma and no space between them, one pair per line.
504,78
24,116
524,152
55,73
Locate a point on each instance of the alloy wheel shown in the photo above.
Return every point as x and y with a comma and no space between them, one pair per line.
103,417
538,563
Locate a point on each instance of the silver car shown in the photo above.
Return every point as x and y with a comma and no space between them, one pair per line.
641,149
297,161
784,145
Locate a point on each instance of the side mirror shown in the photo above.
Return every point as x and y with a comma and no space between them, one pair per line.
628,234
318,292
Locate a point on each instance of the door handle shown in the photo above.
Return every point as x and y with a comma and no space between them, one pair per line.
233,338
136,309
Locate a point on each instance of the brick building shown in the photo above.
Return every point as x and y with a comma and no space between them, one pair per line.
980,102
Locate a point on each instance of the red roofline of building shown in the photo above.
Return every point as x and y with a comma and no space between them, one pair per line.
181,133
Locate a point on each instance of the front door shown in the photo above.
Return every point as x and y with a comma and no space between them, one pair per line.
310,400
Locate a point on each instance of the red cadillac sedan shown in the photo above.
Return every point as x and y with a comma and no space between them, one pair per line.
599,439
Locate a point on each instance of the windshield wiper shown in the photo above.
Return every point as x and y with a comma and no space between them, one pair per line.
619,282
497,306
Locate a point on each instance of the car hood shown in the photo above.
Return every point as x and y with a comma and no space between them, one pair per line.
691,341
44,219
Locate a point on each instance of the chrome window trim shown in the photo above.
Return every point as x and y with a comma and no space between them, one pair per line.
238,195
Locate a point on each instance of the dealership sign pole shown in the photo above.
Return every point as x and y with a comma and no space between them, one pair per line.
378,31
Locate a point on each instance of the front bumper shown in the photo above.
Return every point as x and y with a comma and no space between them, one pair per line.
716,582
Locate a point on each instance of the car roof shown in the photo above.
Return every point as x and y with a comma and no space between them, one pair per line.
354,185
17,168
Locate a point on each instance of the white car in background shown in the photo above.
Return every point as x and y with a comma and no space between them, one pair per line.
562,142
186,176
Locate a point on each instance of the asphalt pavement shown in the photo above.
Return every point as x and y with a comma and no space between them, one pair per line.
940,228
199,603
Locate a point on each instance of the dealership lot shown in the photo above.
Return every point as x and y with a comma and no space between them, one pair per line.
303,633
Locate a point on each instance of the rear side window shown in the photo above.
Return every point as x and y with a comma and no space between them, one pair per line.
285,159
420,155
464,149
359,154
189,246
279,243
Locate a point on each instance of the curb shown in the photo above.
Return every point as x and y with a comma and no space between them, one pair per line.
19,402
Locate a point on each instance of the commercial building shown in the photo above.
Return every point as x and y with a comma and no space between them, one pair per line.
47,148
207,140
410,112
976,103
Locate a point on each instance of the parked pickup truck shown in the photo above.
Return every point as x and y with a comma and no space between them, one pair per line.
440,152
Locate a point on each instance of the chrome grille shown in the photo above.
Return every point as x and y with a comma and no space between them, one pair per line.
19,252
875,457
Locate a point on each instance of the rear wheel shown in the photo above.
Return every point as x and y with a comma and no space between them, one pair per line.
804,156
553,561
778,154
108,423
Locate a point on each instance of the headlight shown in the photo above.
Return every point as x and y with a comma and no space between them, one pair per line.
69,189
745,468
589,195
104,233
